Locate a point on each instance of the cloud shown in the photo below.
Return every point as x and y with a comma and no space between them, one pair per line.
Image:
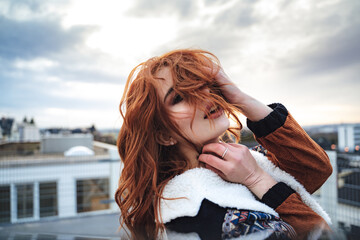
46,65
238,16
42,44
35,38
211,39
331,53
30,9
33,6
56,55
155,8
328,39
219,28
42,39
42,92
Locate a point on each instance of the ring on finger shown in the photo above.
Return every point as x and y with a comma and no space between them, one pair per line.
223,155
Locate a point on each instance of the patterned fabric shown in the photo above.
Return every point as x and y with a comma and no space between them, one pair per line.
260,149
242,223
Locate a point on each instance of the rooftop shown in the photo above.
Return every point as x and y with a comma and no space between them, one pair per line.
103,226
101,150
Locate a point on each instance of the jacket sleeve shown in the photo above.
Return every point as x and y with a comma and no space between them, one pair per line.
291,149
288,204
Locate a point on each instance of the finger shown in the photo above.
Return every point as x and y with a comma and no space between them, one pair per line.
238,149
217,148
215,170
213,161
209,70
237,145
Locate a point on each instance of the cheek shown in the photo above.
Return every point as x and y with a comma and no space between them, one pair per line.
183,120
181,116
182,113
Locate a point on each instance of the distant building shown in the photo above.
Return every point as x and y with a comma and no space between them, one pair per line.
6,125
19,138
339,137
28,132
61,142
34,188
349,137
19,148
19,132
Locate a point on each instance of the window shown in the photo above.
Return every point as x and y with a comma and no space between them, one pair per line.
48,237
25,199
92,194
48,199
23,237
4,204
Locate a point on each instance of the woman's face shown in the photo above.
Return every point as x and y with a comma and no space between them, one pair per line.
201,131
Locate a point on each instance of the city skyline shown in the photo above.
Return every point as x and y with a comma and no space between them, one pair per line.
65,63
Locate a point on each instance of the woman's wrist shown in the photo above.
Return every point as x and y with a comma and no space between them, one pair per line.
262,186
252,108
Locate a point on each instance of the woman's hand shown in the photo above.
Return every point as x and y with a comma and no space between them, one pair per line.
229,90
249,106
234,163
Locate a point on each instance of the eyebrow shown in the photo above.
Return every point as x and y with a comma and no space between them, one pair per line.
168,93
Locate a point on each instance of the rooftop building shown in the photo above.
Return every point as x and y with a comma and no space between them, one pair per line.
28,132
6,125
54,186
349,137
61,142
340,137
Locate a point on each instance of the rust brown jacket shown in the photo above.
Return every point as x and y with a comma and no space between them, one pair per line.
292,150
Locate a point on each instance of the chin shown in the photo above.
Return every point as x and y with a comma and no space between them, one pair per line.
219,130
223,125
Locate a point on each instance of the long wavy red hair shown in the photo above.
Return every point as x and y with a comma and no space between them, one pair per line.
148,165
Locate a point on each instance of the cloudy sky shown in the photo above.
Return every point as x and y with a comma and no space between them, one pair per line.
65,62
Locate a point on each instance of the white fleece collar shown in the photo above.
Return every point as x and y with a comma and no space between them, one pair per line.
282,176
195,185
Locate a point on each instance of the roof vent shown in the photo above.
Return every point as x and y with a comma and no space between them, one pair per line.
79,151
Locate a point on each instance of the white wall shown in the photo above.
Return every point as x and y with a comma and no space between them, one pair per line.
65,175
346,137
28,133
59,143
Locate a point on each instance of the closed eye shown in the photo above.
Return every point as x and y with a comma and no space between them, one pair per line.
177,98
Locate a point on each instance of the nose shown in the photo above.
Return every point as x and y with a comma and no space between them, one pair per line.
206,89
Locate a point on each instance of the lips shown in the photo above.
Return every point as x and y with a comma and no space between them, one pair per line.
214,111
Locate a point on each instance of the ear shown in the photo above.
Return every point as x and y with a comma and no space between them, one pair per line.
165,139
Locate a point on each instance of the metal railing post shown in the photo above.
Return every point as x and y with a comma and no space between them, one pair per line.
329,192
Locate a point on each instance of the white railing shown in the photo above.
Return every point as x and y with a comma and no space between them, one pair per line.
340,199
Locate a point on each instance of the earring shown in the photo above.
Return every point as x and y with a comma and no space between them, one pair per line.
172,141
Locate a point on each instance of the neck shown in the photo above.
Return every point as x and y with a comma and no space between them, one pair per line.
193,154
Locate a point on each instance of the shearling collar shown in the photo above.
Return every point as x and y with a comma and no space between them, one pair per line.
195,185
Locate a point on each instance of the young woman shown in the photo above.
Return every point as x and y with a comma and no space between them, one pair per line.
177,174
